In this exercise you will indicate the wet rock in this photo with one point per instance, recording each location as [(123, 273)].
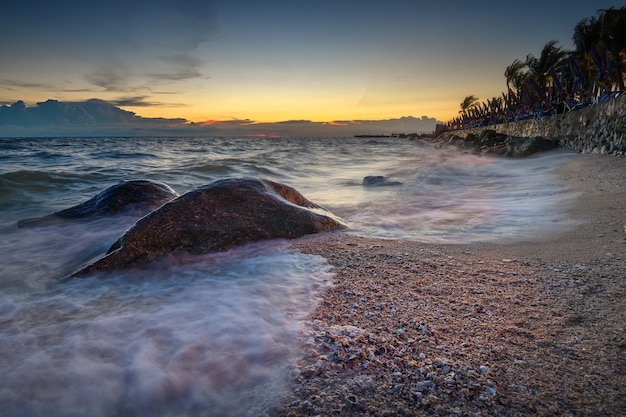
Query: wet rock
[(490, 138), (378, 181), (137, 197), (217, 217), (487, 142), (519, 147)]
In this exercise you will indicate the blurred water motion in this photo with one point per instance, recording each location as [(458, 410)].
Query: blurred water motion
[(214, 335)]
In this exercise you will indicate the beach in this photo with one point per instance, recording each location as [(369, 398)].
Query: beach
[(529, 327), (479, 285)]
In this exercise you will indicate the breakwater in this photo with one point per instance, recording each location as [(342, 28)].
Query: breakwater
[(600, 128)]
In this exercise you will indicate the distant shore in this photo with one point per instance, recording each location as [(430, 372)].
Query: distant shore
[(534, 327)]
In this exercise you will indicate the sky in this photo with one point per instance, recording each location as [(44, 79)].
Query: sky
[(224, 64)]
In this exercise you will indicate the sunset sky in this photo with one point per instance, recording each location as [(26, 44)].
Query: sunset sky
[(273, 61)]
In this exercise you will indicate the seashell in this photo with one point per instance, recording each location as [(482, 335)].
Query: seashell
[(352, 399)]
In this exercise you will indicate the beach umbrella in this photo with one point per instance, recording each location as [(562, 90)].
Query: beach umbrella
[(600, 60), (556, 80), (580, 80), (540, 91)]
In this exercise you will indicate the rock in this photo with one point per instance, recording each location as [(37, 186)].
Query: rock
[(490, 138), (137, 197), (519, 147), (378, 181), (470, 138), (488, 142), (217, 217)]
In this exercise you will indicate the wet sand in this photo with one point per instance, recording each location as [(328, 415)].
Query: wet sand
[(535, 327)]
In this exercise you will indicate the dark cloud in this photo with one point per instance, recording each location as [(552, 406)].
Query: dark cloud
[(10, 84), (140, 101), (109, 78), (179, 67), (137, 101)]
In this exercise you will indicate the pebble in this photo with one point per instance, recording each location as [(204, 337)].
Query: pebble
[(294, 373), (414, 357)]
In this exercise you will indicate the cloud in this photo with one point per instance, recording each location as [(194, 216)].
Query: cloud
[(109, 78), (225, 123), (294, 128), (141, 101), (179, 67), (91, 117), (98, 118), (11, 84)]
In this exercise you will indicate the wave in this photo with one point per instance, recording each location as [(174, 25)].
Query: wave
[(327, 171), (210, 332)]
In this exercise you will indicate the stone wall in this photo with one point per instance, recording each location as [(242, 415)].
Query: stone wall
[(595, 129)]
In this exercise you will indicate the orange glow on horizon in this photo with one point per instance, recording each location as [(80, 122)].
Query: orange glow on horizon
[(341, 118)]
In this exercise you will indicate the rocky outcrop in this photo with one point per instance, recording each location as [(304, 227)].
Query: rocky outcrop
[(217, 217), (491, 142), (378, 181), (138, 197), (600, 128), (519, 147)]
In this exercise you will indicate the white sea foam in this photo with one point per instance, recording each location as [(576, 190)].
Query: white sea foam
[(464, 198), (206, 335)]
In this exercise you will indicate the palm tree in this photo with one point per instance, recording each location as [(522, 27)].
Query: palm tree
[(515, 75), (586, 33), (468, 102), (613, 35), (551, 56), (494, 104), (608, 31)]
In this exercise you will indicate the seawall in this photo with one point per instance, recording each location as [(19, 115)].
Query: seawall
[(600, 128)]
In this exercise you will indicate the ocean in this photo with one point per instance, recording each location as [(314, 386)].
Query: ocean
[(215, 334)]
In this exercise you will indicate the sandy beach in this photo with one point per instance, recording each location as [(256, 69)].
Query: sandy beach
[(532, 327)]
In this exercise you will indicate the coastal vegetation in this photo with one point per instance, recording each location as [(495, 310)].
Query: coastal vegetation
[(558, 80)]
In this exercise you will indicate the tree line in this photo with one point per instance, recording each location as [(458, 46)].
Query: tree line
[(558, 80)]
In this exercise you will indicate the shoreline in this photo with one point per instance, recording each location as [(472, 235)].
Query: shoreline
[(534, 327)]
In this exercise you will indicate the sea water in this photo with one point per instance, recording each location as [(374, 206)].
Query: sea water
[(215, 334)]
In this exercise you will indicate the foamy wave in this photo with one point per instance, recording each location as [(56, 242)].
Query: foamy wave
[(213, 337)]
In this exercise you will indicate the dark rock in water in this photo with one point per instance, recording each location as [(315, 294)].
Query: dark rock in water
[(519, 147), (217, 217), (137, 197), (378, 181)]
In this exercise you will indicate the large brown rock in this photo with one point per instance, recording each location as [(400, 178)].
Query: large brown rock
[(217, 217), (137, 198)]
